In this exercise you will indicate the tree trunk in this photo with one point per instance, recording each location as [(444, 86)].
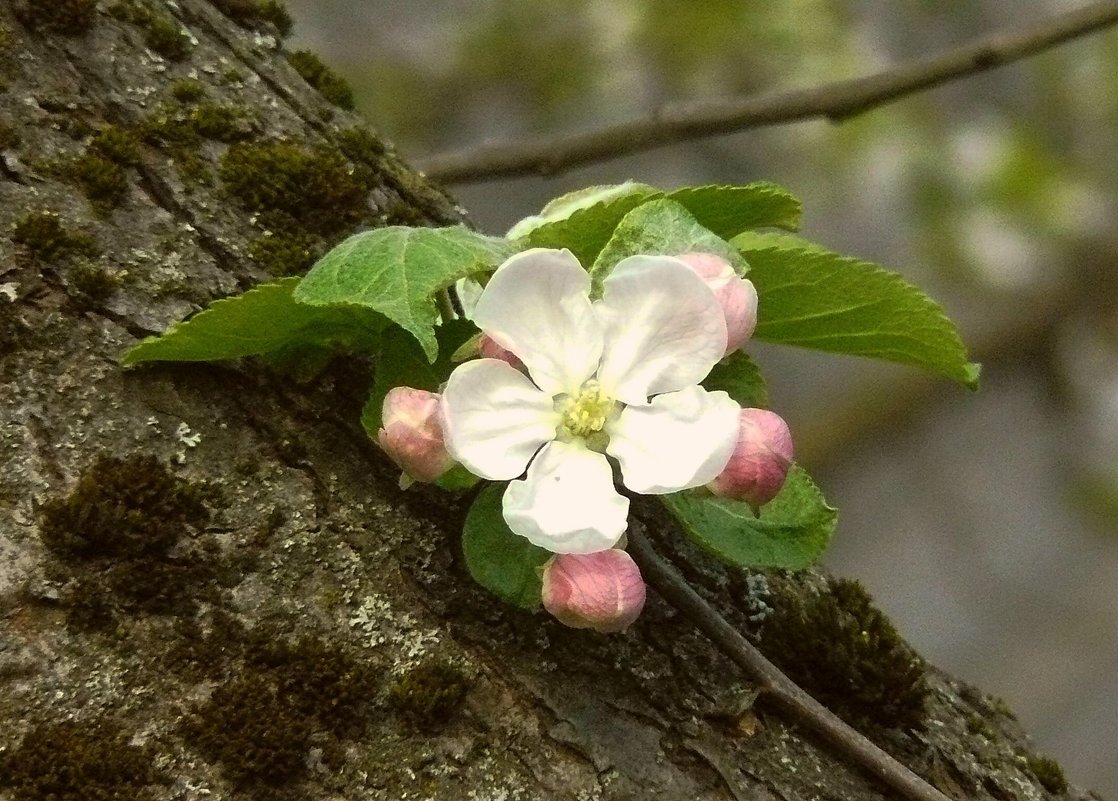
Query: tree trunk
[(210, 584)]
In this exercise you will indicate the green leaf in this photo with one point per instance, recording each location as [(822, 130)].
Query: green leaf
[(504, 563), (659, 227), (728, 210), (766, 240), (264, 320), (817, 299), (397, 271), (792, 532), (400, 362), (740, 377), (585, 224)]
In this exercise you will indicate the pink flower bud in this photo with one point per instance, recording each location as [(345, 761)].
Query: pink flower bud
[(760, 462), (737, 295), (411, 435), (601, 591), (489, 349)]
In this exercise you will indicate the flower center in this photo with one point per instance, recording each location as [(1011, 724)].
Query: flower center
[(583, 416)]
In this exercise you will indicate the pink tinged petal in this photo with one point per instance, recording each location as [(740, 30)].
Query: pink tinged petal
[(489, 349), (736, 295), (761, 459), (680, 440), (664, 329), (537, 305), (411, 434), (601, 591), (567, 503), (494, 418)]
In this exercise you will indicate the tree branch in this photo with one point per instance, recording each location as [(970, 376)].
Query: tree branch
[(835, 101), (779, 689)]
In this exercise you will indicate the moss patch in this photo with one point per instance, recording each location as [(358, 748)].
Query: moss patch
[(286, 697), (104, 182), (302, 196), (161, 33), (1048, 772), (120, 530), (9, 137), (840, 648), (329, 84), (79, 761), (254, 13), (41, 232), (430, 694), (68, 17), (188, 90), (117, 145), (91, 284)]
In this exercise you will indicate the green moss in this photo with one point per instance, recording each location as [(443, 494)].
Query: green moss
[(840, 648), (117, 145), (1048, 772), (285, 252), (258, 725), (91, 284), (188, 90), (79, 761), (430, 694), (121, 508), (9, 137), (41, 232), (68, 17), (224, 123), (315, 187), (104, 182), (167, 39), (187, 127), (329, 84), (252, 13), (361, 146), (118, 529)]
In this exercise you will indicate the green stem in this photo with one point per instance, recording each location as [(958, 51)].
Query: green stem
[(446, 308)]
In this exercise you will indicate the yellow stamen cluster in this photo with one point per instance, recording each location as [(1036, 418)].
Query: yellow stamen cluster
[(585, 415)]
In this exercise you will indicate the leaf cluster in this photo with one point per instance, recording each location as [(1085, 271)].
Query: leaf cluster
[(374, 294)]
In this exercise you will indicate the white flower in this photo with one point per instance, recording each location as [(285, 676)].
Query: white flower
[(618, 377)]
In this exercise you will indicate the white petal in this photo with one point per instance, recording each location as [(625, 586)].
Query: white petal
[(664, 328), (537, 304), (494, 418), (567, 503), (682, 439)]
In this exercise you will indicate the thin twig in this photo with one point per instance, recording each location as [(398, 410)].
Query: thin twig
[(779, 689), (835, 101)]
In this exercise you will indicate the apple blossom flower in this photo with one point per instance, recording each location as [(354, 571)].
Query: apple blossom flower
[(411, 435), (601, 591), (617, 376), (736, 295), (760, 462), (489, 349)]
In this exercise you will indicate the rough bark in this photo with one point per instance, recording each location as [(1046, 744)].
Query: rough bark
[(295, 626)]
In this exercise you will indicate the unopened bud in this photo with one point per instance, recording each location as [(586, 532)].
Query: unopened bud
[(411, 435), (489, 349), (736, 295), (761, 459), (601, 591)]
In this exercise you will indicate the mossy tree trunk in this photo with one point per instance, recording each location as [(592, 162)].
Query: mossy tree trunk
[(210, 584)]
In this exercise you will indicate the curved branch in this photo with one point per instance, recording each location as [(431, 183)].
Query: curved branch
[(835, 101), (781, 690)]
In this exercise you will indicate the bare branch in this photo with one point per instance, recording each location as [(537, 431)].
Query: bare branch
[(835, 101), (780, 690)]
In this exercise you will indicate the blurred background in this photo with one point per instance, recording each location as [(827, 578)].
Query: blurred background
[(985, 524)]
